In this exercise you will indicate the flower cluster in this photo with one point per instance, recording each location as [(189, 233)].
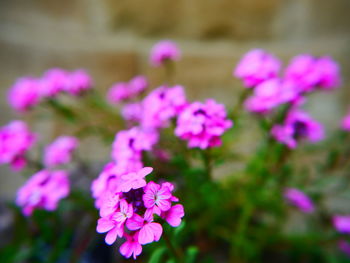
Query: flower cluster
[(299, 200), (297, 125), (129, 211), (124, 91), (202, 124), (342, 223), (43, 190), (15, 140), (163, 52), (28, 91), (59, 152)]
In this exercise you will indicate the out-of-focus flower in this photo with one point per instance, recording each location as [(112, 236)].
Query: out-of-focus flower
[(132, 112), (43, 191), (119, 92), (310, 72), (271, 94), (164, 51), (202, 124), (297, 125), (15, 141), (299, 200), (53, 82), (78, 82), (344, 246), (161, 105), (60, 151), (342, 224), (257, 66), (24, 94), (345, 125), (127, 211), (138, 84)]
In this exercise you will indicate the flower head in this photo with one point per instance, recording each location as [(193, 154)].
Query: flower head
[(342, 223), (132, 112), (164, 51), (15, 141), (24, 94), (43, 191), (60, 151), (345, 124), (202, 124), (299, 199), (53, 82), (344, 246), (298, 125), (257, 66), (78, 82)]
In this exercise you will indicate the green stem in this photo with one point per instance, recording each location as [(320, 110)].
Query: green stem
[(208, 163), (177, 252)]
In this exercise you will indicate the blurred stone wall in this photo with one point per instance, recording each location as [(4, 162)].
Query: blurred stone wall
[(111, 39)]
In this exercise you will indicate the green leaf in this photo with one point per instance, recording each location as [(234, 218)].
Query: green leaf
[(191, 254), (157, 255)]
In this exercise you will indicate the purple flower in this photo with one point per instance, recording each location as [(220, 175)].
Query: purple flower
[(344, 247), (161, 105), (53, 82), (132, 112), (119, 92), (164, 51), (271, 94), (43, 191), (138, 84), (127, 209), (60, 151), (257, 66), (78, 81), (24, 94), (202, 124), (299, 199), (345, 124), (15, 141), (297, 125), (342, 224), (309, 72)]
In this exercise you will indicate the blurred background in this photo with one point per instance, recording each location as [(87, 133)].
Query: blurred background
[(111, 40)]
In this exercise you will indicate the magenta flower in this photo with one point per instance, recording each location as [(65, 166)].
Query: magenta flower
[(119, 92), (132, 112), (271, 94), (163, 52), (157, 197), (131, 246), (24, 94), (60, 151), (202, 124), (138, 84), (174, 215), (161, 105), (78, 82), (43, 191), (298, 125), (345, 124), (342, 224), (257, 66), (127, 209), (310, 72), (15, 141), (53, 82), (149, 231), (299, 199)]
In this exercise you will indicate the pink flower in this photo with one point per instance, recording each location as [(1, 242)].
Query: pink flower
[(24, 94), (344, 247), (271, 94), (53, 82), (342, 224), (131, 246), (174, 215), (157, 197), (119, 92), (60, 151), (309, 72), (133, 180), (202, 124), (15, 141), (298, 125), (299, 199), (161, 105), (164, 51), (78, 81), (345, 125), (138, 84), (257, 66), (149, 231), (43, 190), (132, 112)]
